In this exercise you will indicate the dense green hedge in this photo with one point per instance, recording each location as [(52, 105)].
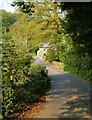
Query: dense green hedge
[(23, 82), (78, 64), (52, 55)]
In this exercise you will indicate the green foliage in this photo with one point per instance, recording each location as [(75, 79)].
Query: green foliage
[(52, 55), (24, 7), (62, 56), (78, 64), (54, 38), (1, 116), (22, 83), (39, 79), (7, 19), (34, 50), (78, 24), (36, 29)]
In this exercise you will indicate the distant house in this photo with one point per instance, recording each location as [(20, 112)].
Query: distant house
[(42, 52)]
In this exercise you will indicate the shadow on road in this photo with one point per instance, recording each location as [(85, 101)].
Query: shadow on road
[(72, 94)]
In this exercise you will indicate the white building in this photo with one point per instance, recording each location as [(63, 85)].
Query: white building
[(42, 52)]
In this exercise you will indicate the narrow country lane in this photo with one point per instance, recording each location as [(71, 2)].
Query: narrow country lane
[(68, 97)]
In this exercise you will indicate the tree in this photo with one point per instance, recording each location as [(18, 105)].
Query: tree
[(8, 18), (40, 26), (79, 24), (24, 6)]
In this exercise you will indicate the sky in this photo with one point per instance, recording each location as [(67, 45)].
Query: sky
[(6, 5)]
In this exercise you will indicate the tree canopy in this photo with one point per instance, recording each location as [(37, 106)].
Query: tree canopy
[(40, 26), (78, 25), (8, 18)]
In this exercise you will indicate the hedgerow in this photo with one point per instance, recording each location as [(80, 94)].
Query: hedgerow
[(78, 64), (22, 82)]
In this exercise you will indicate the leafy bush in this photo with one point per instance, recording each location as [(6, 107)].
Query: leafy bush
[(78, 64), (22, 83), (34, 50), (52, 55)]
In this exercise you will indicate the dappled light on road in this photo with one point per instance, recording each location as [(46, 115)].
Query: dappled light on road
[(68, 97)]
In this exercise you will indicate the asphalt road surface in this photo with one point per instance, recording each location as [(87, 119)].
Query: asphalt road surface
[(68, 97)]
